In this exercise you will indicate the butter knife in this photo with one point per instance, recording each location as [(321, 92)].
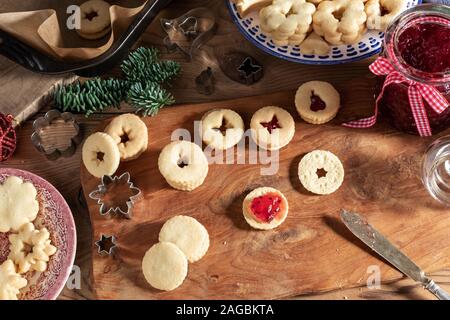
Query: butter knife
[(378, 243)]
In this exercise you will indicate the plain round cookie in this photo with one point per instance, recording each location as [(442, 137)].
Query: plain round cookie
[(272, 127), (308, 172), (187, 234), (130, 134), (249, 217), (100, 155), (183, 164), (214, 120), (326, 92), (165, 266), (95, 19)]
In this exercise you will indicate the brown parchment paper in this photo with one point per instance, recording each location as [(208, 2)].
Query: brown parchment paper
[(45, 28)]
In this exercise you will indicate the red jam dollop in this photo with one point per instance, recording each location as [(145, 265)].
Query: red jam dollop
[(317, 103), (266, 207), (271, 125), (426, 47)]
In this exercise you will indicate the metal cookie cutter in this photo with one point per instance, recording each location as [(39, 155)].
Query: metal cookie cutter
[(250, 71), (116, 195), (106, 245), (56, 134), (241, 67), (190, 31)]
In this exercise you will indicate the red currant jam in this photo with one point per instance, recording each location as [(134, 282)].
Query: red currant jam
[(425, 48), (267, 207), (271, 125), (317, 103)]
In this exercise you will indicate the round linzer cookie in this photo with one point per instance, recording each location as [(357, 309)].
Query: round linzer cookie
[(222, 128), (265, 208), (95, 19), (101, 155), (321, 172), (130, 134), (183, 164), (187, 234), (317, 102), (165, 266), (272, 127)]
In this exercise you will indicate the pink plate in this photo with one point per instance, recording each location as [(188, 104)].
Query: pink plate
[(55, 215)]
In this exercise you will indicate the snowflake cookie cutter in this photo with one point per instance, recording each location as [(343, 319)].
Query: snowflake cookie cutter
[(106, 245), (113, 199), (190, 31), (56, 134)]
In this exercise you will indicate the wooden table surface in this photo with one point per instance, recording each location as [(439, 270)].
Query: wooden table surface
[(279, 75)]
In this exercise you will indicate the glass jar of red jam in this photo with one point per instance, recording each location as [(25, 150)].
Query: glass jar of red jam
[(419, 49)]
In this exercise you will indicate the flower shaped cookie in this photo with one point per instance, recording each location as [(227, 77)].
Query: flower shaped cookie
[(10, 281), (340, 21), (31, 249), (18, 204), (380, 13), (288, 21)]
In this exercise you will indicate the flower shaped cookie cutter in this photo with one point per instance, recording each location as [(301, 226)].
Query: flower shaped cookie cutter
[(189, 31), (116, 195), (56, 134)]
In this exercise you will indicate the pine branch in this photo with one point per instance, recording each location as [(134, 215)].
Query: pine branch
[(91, 96), (149, 98), (142, 65)]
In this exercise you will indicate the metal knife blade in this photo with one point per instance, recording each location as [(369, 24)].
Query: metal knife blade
[(378, 243)]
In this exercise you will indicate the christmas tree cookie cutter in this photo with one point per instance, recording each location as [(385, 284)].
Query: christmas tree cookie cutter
[(190, 31), (116, 195), (56, 134), (106, 245)]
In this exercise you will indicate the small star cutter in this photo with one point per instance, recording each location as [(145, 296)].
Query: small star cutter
[(106, 244), (104, 189)]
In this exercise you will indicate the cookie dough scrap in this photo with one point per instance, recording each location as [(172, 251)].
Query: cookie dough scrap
[(95, 19), (31, 249), (18, 204), (101, 155), (10, 281), (222, 129), (321, 172), (187, 234), (265, 208), (317, 102), (183, 164), (272, 127), (165, 266), (130, 134)]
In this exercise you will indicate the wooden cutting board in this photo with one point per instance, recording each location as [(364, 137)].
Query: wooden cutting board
[(312, 251)]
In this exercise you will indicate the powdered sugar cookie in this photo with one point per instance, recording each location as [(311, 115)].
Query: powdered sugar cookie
[(340, 21), (95, 19), (222, 128), (380, 13), (18, 204), (187, 234), (183, 164), (317, 102), (100, 155), (10, 281), (165, 266), (272, 127), (130, 134), (315, 45), (31, 249), (265, 208), (321, 172)]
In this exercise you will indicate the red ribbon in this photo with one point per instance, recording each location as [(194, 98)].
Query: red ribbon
[(417, 92)]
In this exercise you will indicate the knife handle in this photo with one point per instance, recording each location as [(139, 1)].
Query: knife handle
[(440, 293)]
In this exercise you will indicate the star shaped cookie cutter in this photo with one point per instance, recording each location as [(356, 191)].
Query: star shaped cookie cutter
[(190, 31), (106, 244), (116, 195)]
